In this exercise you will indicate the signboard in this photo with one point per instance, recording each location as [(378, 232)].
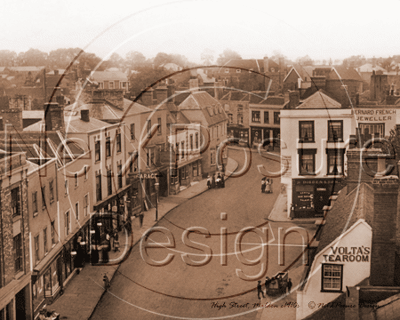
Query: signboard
[(375, 115)]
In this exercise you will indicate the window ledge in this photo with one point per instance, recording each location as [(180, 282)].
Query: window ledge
[(335, 291), (19, 275), (301, 141), (334, 175), (334, 141)]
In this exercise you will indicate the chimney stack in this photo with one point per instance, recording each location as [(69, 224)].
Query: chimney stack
[(171, 93), (147, 97), (162, 94), (194, 84), (266, 64), (294, 99), (54, 116), (384, 231), (85, 115)]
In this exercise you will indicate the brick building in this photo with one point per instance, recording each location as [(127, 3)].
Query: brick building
[(15, 276)]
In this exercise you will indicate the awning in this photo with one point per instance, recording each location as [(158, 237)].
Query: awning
[(39, 269), (101, 204)]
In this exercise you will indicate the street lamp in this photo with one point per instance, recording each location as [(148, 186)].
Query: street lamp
[(156, 185)]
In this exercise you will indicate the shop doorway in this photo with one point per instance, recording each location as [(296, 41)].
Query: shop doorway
[(20, 307)]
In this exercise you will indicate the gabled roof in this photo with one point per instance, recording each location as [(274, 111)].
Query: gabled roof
[(100, 76), (347, 210), (346, 73), (303, 72), (200, 106), (319, 100), (368, 67), (25, 69)]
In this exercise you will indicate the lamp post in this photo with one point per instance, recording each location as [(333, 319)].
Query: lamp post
[(156, 185)]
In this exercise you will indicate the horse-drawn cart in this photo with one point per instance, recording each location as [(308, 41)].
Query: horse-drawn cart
[(278, 284)]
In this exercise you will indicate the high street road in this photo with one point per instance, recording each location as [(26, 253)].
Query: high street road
[(211, 279)]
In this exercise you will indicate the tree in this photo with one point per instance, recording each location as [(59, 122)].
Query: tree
[(207, 57), (115, 61), (32, 57), (160, 59), (7, 58), (227, 55), (135, 60), (146, 77), (62, 58)]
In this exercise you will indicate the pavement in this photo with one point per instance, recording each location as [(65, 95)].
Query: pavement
[(85, 289)]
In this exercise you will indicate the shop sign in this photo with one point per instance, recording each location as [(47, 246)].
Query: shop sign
[(348, 254), (148, 176), (378, 115)]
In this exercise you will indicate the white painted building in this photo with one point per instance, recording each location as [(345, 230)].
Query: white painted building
[(314, 139)]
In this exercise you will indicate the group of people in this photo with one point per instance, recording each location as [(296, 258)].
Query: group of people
[(268, 280), (216, 181), (266, 185)]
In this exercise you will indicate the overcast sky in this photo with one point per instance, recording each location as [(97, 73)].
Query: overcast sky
[(322, 29)]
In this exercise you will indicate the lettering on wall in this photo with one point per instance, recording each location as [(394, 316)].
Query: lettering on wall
[(375, 114), (348, 254)]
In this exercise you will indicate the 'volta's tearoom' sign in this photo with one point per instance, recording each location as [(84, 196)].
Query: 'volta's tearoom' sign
[(348, 254)]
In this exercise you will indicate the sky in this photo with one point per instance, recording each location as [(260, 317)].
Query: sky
[(321, 29)]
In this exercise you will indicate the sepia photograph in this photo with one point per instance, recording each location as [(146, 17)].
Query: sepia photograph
[(199, 160)]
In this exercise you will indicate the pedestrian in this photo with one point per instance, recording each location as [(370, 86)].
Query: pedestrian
[(208, 181), (289, 285), (141, 217), (128, 226), (267, 282), (218, 181), (213, 181), (112, 240), (106, 282), (271, 181), (116, 241), (260, 290), (263, 182), (104, 252), (223, 181)]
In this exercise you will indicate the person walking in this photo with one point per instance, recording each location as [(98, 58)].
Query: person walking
[(208, 181), (141, 217), (260, 290), (263, 183), (289, 285), (213, 181), (267, 282), (223, 181), (218, 181)]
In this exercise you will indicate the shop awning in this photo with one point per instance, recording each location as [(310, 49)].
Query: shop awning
[(51, 256), (109, 199)]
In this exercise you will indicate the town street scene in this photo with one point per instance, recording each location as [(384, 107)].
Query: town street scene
[(199, 160)]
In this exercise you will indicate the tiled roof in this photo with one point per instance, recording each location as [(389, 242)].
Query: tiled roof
[(276, 101), (100, 76), (347, 210), (319, 100), (201, 102), (347, 73), (368, 67)]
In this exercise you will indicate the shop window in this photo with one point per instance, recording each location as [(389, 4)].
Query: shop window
[(118, 141), (332, 277), (46, 250), (255, 116), (47, 283), (53, 234), (132, 131), (109, 182), (335, 130), (159, 126), (307, 161), (195, 166), (174, 176), (36, 240), (98, 186), (335, 161), (15, 202), (17, 246), (97, 151), (277, 120), (108, 147), (51, 190), (306, 131), (266, 117), (374, 129), (34, 202)]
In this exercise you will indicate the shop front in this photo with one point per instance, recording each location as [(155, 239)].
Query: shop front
[(239, 133), (256, 136), (311, 195), (52, 273)]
